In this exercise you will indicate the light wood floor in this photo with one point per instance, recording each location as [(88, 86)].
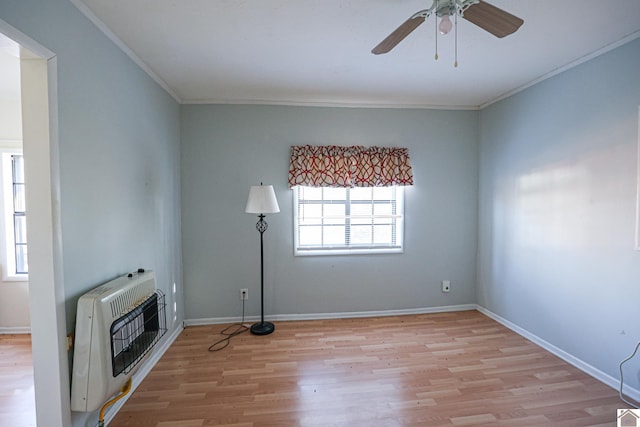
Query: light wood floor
[(422, 370), (17, 401)]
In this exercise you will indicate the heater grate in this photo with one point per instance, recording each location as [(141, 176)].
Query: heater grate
[(135, 333)]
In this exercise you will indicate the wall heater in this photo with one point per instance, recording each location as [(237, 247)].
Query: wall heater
[(117, 324)]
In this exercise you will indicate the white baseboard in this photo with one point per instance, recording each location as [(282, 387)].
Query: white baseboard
[(144, 370), (221, 320), (378, 313), (5, 330), (324, 316), (567, 357)]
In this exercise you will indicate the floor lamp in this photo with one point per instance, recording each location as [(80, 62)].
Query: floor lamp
[(262, 200)]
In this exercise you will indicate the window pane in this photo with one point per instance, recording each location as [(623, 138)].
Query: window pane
[(361, 193), (310, 193), (383, 221), (383, 193), (334, 193), (361, 214), (382, 234), (361, 209), (334, 235), (18, 168), (18, 198), (310, 236), (382, 209), (310, 213), (22, 266), (334, 214), (20, 225), (361, 235)]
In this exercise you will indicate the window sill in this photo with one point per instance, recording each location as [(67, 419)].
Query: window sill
[(342, 252), (16, 278)]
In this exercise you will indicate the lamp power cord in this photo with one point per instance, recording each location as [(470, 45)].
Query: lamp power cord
[(633, 405), (229, 332)]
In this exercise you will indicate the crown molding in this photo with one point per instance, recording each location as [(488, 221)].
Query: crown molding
[(327, 103), (627, 39), (84, 9)]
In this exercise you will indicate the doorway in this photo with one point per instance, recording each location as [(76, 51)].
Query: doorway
[(46, 294), (14, 293), (17, 402)]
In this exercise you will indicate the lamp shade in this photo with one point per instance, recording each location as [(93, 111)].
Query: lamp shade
[(262, 200)]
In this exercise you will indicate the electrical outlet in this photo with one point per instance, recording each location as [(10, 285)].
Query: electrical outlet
[(446, 286), (244, 294)]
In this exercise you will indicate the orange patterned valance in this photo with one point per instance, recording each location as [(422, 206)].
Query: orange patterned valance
[(355, 166)]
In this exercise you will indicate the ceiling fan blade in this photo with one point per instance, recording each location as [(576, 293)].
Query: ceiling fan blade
[(492, 19), (398, 35)]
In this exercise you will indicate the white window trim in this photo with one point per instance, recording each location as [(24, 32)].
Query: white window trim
[(345, 251), (7, 240)]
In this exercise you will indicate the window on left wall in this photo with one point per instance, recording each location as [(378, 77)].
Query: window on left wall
[(15, 263)]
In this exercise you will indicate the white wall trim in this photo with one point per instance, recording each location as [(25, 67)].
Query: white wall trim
[(142, 373), (325, 316), (46, 285), (637, 246), (10, 330), (25, 41), (567, 357), (329, 103), (221, 320), (564, 68)]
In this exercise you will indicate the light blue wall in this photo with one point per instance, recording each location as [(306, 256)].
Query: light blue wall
[(119, 139), (119, 156), (558, 172), (557, 168), (225, 149)]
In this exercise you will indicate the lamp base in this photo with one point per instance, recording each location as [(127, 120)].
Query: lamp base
[(262, 328)]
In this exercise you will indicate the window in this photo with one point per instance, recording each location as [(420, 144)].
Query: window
[(16, 265), (348, 199), (330, 220)]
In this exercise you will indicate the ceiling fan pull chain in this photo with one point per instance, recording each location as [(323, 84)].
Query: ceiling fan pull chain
[(455, 64), (435, 20), (484, 15)]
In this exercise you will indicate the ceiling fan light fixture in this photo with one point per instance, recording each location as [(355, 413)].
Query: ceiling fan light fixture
[(478, 12), (445, 24)]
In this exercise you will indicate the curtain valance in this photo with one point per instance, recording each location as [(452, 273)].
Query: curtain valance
[(355, 166)]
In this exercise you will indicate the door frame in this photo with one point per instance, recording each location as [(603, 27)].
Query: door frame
[(42, 175)]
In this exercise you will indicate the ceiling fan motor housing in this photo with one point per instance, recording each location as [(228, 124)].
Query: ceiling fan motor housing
[(484, 15), (451, 7)]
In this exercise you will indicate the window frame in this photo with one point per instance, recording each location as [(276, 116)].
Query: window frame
[(398, 219), (7, 230)]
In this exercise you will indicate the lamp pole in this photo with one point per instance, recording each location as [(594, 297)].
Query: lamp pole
[(262, 328)]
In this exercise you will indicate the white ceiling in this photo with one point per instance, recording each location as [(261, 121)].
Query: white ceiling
[(313, 52)]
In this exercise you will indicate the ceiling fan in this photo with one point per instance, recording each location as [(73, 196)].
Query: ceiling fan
[(486, 16)]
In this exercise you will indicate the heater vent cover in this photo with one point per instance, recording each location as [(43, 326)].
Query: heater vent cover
[(117, 325)]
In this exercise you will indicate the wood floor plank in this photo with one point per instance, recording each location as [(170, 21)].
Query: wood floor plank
[(17, 399), (444, 369)]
